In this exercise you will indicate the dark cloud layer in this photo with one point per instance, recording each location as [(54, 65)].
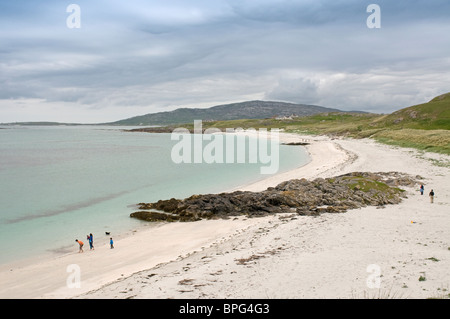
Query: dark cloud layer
[(137, 57)]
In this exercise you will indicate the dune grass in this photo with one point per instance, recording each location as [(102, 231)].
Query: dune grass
[(355, 125), (437, 141), (425, 126)]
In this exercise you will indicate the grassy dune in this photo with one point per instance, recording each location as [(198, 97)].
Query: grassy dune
[(429, 140), (434, 115), (424, 126)]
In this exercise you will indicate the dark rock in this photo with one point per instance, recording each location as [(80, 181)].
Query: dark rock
[(154, 216), (310, 198)]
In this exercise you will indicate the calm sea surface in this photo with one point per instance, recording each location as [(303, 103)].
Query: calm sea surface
[(62, 183)]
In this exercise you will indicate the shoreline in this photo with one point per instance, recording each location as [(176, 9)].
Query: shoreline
[(329, 256), (106, 271), (319, 150), (20, 270), (44, 252)]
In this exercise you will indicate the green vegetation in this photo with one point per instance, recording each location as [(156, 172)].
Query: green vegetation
[(434, 115), (365, 185), (428, 140), (424, 126)]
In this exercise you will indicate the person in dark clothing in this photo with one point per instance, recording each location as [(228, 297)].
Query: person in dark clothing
[(431, 196)]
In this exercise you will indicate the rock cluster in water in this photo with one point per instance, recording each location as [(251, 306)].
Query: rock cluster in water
[(330, 195)]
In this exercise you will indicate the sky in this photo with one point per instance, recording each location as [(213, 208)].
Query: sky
[(119, 59)]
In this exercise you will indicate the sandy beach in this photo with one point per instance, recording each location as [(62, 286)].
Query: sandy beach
[(399, 251)]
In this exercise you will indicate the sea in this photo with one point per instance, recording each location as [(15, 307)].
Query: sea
[(61, 183)]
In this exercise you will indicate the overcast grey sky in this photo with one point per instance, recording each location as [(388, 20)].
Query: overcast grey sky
[(136, 57)]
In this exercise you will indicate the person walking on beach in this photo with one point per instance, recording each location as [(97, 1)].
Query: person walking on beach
[(421, 189), (90, 238), (431, 196), (81, 245), (111, 243)]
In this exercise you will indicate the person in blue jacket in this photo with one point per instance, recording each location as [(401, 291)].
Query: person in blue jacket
[(90, 238)]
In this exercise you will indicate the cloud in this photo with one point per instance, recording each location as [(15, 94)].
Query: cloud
[(297, 89), (147, 56), (377, 91)]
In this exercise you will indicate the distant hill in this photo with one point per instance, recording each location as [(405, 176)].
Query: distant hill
[(234, 111), (424, 126)]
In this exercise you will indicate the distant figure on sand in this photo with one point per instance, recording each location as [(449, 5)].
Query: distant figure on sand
[(431, 196), (111, 243), (81, 245), (90, 238), (421, 189)]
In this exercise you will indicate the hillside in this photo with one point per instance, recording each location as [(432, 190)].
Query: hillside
[(425, 126), (428, 116), (433, 115), (243, 110)]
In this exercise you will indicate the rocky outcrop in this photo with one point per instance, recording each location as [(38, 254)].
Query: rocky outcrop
[(331, 195)]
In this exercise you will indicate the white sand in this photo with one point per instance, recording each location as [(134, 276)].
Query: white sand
[(286, 256)]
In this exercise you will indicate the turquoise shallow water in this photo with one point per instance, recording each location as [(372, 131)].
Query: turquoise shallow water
[(61, 183)]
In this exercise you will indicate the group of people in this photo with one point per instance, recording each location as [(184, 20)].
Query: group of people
[(90, 239), (431, 194)]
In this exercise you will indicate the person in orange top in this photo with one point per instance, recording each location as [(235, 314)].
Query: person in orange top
[(81, 245)]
